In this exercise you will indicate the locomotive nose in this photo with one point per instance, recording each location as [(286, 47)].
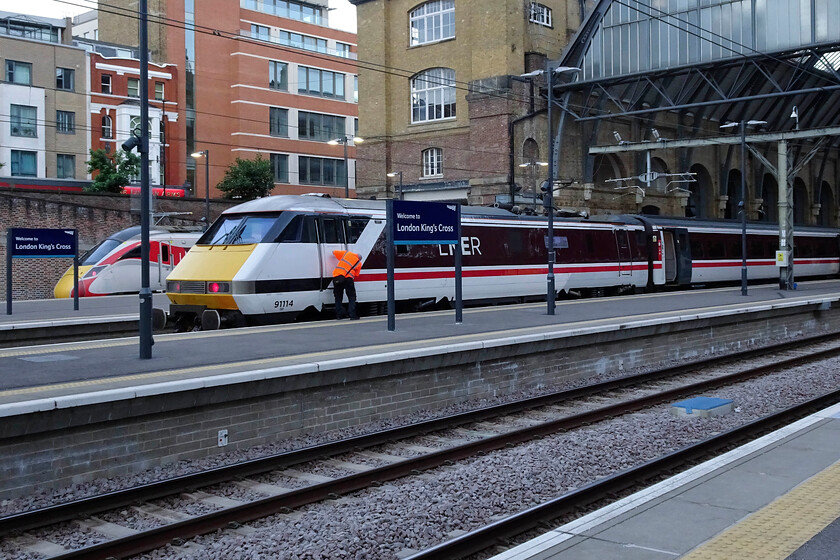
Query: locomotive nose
[(64, 286)]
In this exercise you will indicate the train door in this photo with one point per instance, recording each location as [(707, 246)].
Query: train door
[(164, 263), (677, 256), (670, 256), (330, 238), (625, 254)]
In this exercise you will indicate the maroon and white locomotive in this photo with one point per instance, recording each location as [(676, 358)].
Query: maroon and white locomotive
[(271, 259)]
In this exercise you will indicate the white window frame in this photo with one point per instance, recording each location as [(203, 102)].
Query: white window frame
[(432, 22), (540, 14), (65, 79), (16, 156), (65, 122), (61, 170), (105, 83), (433, 95), (107, 129), (136, 82), (432, 162), (23, 121)]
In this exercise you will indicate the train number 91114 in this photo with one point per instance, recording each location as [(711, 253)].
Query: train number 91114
[(284, 304)]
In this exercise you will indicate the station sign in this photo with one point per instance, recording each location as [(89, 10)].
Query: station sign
[(425, 223), (42, 243)]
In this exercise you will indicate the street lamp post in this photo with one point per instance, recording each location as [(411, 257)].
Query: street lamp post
[(344, 140), (533, 166), (551, 68), (206, 155), (743, 205), (394, 174)]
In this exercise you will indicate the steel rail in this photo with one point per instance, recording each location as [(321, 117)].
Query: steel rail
[(234, 516), (50, 515), (541, 515)]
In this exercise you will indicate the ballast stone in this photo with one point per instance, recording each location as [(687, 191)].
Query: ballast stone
[(702, 407)]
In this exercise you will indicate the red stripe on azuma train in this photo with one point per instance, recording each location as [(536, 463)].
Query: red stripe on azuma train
[(438, 274)]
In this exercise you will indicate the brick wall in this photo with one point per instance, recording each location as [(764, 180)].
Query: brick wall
[(65, 446), (95, 216)]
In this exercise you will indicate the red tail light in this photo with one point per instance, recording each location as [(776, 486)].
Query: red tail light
[(213, 287)]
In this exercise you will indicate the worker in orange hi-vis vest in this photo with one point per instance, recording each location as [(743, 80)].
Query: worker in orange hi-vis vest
[(344, 274)]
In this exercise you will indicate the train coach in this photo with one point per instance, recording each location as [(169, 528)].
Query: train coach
[(113, 265), (271, 259)]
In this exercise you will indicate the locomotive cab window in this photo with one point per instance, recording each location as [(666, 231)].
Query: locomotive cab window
[(354, 228), (299, 229), (332, 230), (242, 230), (98, 252), (133, 254)]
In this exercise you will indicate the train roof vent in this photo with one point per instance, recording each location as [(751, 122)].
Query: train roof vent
[(320, 194)]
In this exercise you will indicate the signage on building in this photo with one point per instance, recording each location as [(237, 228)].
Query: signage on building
[(425, 223), (42, 243)]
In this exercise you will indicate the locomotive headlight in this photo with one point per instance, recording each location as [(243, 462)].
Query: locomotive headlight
[(93, 272), (218, 287), (173, 286)]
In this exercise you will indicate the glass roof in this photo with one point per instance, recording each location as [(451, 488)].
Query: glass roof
[(650, 35)]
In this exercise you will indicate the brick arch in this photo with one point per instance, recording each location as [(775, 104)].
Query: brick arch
[(770, 198), (607, 166), (700, 199), (827, 213), (801, 203), (733, 191), (530, 150)]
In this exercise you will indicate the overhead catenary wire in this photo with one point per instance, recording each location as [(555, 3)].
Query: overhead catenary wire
[(125, 12)]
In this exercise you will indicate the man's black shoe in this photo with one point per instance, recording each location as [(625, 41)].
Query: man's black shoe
[(354, 318)]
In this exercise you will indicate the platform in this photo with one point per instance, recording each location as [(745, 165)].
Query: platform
[(66, 369), (775, 498), (115, 413)]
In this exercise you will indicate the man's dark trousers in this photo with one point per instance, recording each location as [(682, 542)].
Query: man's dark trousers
[(339, 288)]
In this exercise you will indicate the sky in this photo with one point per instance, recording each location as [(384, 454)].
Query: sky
[(342, 17)]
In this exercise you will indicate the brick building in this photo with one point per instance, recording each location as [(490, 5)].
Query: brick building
[(115, 112), (259, 77), (443, 119)]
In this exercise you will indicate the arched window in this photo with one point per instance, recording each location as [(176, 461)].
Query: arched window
[(433, 95), (433, 162), (107, 127), (432, 21)]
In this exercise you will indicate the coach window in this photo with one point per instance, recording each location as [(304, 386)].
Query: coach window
[(333, 232), (697, 249), (354, 228), (755, 248), (164, 253), (733, 247)]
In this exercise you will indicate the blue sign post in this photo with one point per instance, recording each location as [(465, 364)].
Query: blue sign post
[(422, 223), (39, 243)]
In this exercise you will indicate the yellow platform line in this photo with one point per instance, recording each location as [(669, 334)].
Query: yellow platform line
[(780, 528)]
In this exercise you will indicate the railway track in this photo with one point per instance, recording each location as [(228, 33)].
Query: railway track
[(545, 417)]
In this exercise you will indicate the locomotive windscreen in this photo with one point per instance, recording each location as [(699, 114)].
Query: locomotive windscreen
[(98, 251), (244, 229)]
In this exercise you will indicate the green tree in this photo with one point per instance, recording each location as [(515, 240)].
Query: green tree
[(113, 171), (247, 179)]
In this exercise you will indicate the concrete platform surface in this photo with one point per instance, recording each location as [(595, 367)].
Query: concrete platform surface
[(772, 499), (66, 369)]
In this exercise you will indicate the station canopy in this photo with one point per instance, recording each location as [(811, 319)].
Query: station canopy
[(719, 60)]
